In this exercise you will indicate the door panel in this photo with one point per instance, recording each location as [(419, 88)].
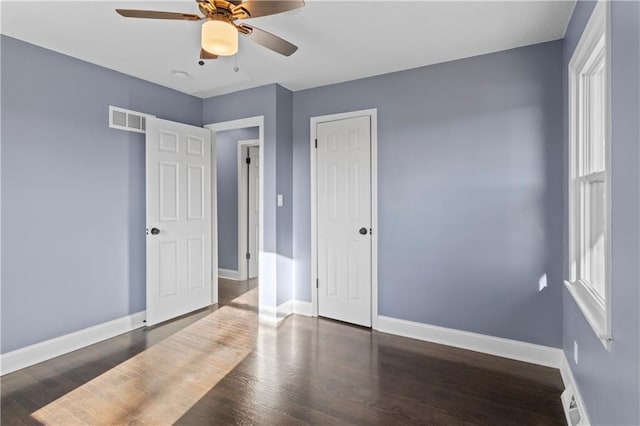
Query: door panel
[(168, 259), (168, 191), (195, 262), (178, 170), (343, 208), (195, 183)]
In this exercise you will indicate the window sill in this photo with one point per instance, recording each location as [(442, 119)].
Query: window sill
[(592, 310)]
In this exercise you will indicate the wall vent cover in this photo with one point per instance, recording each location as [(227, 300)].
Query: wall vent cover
[(124, 119), (572, 409)]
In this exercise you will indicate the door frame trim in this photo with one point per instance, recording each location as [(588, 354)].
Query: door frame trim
[(243, 231), (257, 121), (373, 114)]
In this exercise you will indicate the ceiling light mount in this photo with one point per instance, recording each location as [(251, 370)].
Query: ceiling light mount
[(180, 74)]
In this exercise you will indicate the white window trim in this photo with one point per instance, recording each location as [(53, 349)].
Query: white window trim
[(596, 311)]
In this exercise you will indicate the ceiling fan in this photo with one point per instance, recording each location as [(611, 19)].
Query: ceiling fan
[(220, 30)]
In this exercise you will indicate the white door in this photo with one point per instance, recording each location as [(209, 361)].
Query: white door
[(254, 210), (344, 220), (178, 161)]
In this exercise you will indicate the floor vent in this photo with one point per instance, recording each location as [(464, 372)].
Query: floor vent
[(572, 410), (124, 119)]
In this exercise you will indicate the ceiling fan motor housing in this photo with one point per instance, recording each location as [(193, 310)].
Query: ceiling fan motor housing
[(223, 10)]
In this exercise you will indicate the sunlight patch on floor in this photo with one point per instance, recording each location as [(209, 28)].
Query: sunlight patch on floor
[(160, 384)]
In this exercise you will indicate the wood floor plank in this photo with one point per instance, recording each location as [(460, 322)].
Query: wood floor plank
[(221, 366)]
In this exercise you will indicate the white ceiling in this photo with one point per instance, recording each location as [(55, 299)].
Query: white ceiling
[(338, 40)]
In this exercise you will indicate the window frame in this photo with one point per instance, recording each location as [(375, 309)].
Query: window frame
[(596, 310)]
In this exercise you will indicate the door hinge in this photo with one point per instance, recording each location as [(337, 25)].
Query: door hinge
[(317, 283), (248, 256), (248, 160), (316, 143)]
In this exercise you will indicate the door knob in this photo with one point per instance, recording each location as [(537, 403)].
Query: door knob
[(363, 231), (155, 231)]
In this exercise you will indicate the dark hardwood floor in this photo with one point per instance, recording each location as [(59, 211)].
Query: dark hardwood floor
[(220, 366)]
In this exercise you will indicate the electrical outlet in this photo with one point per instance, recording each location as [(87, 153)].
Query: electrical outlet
[(575, 352), (542, 282)]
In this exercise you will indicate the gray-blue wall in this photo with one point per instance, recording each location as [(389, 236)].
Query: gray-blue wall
[(227, 192), (610, 381), (73, 192), (470, 195), (284, 183)]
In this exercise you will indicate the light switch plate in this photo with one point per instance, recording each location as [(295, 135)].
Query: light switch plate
[(280, 200)]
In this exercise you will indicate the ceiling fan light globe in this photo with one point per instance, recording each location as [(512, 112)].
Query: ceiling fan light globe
[(219, 38)]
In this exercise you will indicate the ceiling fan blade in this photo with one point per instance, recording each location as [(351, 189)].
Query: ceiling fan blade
[(207, 55), (268, 40), (257, 8), (153, 14)]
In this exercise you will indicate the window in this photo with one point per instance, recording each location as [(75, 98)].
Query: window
[(589, 189)]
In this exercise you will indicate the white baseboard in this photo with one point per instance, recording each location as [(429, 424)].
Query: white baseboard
[(276, 315), (506, 348), (30, 355), (285, 309), (268, 313), (228, 274), (571, 390), (302, 308)]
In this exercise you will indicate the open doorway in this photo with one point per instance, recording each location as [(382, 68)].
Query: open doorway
[(237, 153)]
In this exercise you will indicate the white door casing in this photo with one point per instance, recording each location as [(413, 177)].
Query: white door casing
[(344, 219), (178, 193), (254, 210)]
